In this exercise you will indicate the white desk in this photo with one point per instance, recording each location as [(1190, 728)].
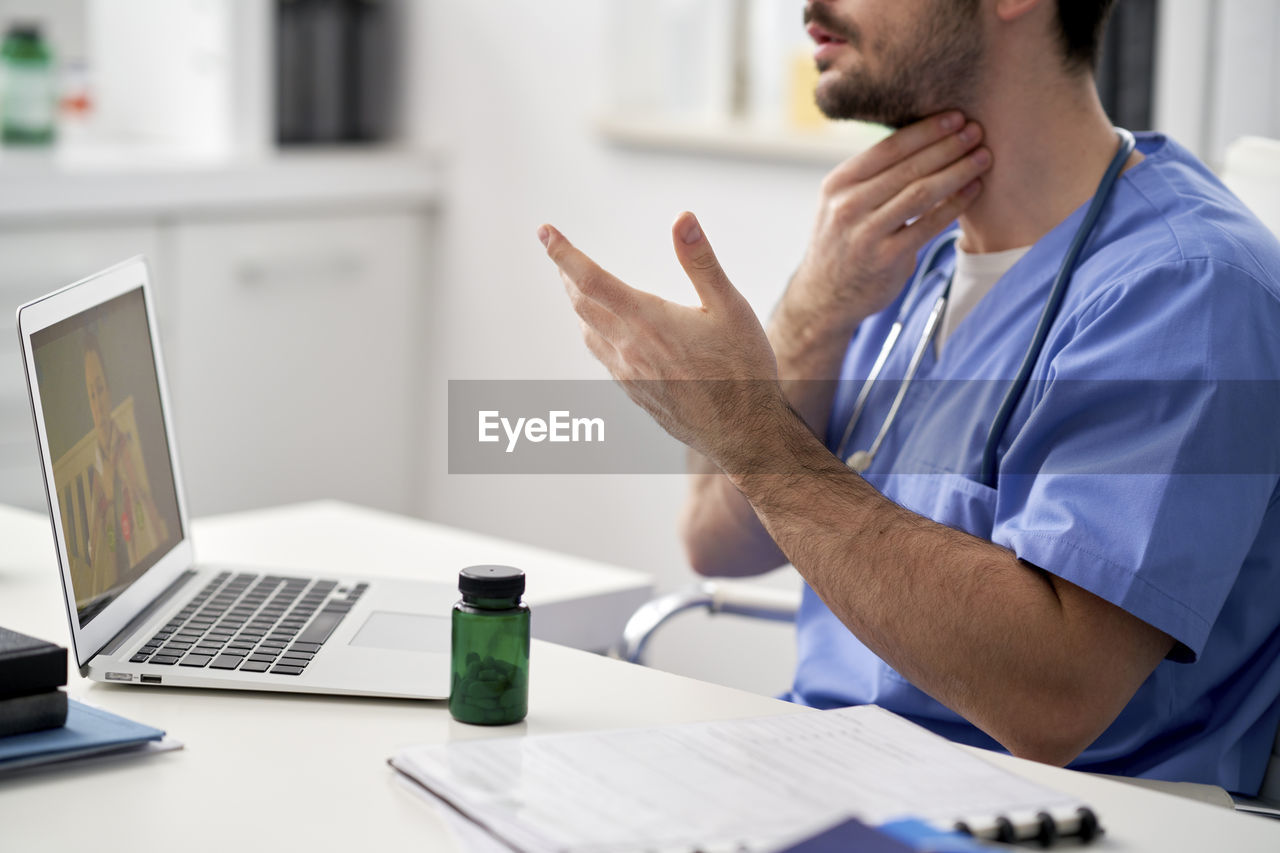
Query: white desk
[(264, 771)]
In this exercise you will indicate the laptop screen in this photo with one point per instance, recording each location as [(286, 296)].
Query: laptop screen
[(100, 404)]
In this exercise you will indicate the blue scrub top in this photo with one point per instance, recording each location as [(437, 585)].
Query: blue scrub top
[(1141, 464)]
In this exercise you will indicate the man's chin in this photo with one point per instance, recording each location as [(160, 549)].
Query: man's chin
[(838, 109), (840, 102), (832, 98)]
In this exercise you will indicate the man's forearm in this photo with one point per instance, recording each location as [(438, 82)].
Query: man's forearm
[(721, 533), (720, 529), (993, 638)]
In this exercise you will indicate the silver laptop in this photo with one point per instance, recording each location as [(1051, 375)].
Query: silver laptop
[(141, 610)]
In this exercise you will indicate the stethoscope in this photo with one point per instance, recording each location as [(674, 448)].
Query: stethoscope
[(860, 460)]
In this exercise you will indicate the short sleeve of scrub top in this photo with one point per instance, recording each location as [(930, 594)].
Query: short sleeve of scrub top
[(1145, 467)]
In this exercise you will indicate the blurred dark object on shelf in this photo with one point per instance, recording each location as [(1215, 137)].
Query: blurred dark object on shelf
[(1126, 72), (334, 71)]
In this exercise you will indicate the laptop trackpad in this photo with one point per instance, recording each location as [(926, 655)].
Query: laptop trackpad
[(411, 632)]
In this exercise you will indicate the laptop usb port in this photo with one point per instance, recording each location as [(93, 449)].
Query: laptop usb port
[(150, 679)]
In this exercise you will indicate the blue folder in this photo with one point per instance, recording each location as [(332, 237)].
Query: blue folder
[(901, 836), (89, 731)]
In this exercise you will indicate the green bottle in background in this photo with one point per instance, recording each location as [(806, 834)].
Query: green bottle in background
[(490, 647), (28, 93)]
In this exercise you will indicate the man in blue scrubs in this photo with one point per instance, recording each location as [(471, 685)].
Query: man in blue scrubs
[(1110, 600)]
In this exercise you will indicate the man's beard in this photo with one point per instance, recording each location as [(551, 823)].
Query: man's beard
[(934, 71)]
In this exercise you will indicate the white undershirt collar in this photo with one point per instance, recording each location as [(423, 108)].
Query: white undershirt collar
[(975, 275)]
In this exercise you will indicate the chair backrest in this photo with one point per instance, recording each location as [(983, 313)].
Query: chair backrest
[(1252, 171)]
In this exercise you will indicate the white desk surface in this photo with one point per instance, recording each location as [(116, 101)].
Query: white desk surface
[(279, 771)]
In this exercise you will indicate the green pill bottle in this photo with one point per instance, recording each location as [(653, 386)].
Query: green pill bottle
[(27, 94), (490, 669)]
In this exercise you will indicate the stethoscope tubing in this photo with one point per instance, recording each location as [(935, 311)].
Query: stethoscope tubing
[(891, 340), (1052, 305)]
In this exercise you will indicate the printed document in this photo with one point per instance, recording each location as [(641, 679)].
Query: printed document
[(738, 784)]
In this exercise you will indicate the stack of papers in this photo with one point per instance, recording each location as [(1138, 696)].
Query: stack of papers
[(744, 784)]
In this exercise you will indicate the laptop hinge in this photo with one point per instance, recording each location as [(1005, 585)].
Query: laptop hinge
[(134, 624)]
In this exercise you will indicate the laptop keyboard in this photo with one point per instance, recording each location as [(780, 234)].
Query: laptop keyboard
[(252, 623)]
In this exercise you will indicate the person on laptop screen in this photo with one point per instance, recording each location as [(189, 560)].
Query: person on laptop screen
[(101, 409), (124, 523)]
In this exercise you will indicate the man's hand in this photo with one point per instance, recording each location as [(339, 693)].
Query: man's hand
[(705, 373), (878, 210)]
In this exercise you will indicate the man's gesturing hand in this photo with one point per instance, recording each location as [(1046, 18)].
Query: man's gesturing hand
[(879, 209), (705, 373)]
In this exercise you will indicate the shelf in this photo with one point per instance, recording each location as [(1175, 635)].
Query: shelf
[(60, 184), (825, 146)]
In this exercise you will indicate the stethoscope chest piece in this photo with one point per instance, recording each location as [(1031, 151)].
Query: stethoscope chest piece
[(859, 461)]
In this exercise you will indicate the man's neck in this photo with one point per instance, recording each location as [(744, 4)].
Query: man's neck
[(1050, 150)]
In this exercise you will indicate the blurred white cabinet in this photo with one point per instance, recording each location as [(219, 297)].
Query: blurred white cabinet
[(35, 261), (291, 294), (293, 352)]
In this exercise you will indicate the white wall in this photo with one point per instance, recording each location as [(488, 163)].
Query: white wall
[(1217, 72), (509, 93)]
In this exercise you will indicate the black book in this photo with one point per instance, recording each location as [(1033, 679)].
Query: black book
[(29, 666), (34, 713)]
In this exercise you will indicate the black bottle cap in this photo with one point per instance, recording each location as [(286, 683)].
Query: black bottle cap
[(24, 31), (491, 582)]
